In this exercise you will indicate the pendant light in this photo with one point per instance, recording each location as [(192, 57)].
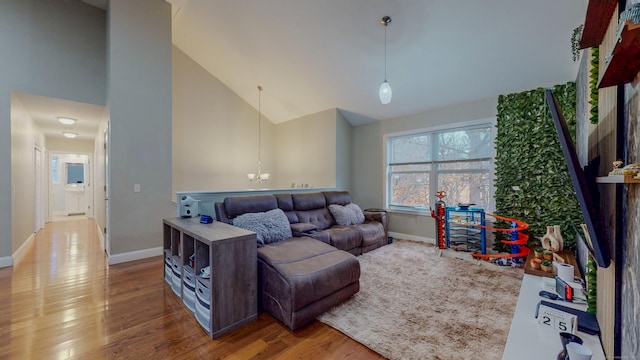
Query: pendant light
[(385, 89), (260, 177)]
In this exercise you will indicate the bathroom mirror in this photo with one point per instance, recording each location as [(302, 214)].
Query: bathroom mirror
[(75, 173)]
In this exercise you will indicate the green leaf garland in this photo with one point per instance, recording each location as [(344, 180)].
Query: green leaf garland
[(532, 180)]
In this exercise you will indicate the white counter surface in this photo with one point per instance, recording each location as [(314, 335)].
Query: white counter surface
[(527, 339)]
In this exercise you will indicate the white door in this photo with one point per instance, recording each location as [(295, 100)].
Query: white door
[(38, 221), (106, 190)]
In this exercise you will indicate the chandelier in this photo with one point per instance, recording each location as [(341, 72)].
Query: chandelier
[(260, 177)]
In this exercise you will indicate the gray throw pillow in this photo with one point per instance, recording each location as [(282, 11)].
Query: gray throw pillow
[(357, 214), (341, 214), (270, 226), (349, 214)]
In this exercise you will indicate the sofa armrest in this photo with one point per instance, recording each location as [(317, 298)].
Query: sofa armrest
[(302, 229), (379, 216)]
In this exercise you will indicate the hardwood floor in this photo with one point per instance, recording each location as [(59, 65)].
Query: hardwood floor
[(62, 301)]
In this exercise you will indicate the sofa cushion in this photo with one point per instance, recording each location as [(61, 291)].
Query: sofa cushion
[(270, 226), (239, 205), (294, 249), (285, 203), (343, 237), (319, 217), (308, 201), (337, 197), (308, 270), (372, 233)]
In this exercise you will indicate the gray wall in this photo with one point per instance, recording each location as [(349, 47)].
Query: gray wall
[(139, 102), (215, 132), (306, 151), (215, 139), (368, 165), (50, 48), (344, 155)]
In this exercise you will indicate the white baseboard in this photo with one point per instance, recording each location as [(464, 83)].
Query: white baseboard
[(6, 261), (412, 237), (60, 213), (135, 255), (18, 254)]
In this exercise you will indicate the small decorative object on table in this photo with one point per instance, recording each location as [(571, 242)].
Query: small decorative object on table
[(566, 338), (535, 263), (552, 240), (547, 255), (629, 170), (546, 266), (537, 252)]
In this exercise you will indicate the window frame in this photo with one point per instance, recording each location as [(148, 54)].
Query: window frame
[(433, 174)]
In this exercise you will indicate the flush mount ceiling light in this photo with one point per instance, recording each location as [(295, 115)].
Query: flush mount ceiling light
[(260, 177), (67, 121), (385, 89), (70, 135)]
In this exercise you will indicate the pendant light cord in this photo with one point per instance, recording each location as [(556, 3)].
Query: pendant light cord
[(259, 126), (385, 53)]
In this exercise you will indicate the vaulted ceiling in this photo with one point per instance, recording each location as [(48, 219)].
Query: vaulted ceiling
[(310, 55), (313, 55)]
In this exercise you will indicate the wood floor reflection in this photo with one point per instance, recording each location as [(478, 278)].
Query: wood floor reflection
[(62, 301)]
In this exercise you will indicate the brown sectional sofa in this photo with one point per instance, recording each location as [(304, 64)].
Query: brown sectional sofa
[(305, 275)]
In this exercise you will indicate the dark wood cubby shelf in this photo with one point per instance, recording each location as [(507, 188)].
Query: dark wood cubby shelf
[(625, 61), (599, 13)]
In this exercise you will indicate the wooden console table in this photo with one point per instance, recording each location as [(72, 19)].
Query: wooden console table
[(228, 298)]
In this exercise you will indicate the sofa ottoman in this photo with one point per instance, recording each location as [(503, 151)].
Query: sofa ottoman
[(300, 278)]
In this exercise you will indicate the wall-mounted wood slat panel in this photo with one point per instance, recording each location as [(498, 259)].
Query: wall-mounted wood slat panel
[(596, 22), (605, 140)]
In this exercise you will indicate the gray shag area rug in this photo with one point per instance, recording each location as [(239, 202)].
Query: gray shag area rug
[(413, 304)]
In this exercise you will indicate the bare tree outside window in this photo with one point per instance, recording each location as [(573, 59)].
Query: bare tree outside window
[(457, 161)]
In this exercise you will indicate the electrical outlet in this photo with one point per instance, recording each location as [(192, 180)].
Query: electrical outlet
[(136, 187)]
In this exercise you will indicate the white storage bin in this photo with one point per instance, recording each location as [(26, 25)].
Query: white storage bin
[(189, 277), (176, 282), (189, 288), (203, 313), (168, 274), (189, 297), (203, 303), (202, 291)]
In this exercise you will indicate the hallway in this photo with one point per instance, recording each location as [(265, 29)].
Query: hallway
[(62, 301)]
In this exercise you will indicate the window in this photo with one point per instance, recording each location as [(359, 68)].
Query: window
[(456, 160)]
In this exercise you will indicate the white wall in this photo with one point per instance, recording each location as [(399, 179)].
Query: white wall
[(139, 103), (69, 145), (99, 177), (25, 134), (368, 158), (50, 48)]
